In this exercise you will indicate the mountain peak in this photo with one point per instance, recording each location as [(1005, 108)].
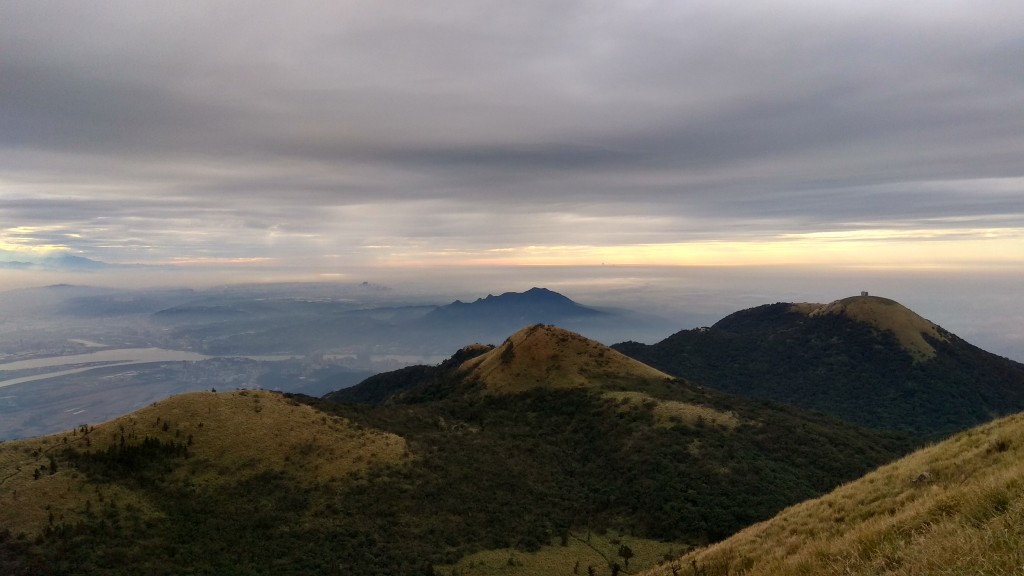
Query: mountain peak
[(229, 435), (534, 294), (496, 316), (547, 356), (911, 330), (866, 359)]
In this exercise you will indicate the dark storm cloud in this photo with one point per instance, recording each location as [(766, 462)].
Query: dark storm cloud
[(223, 127)]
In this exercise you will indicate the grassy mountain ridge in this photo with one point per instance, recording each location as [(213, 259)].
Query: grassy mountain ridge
[(416, 380), (218, 436), (438, 468), (538, 355), (911, 330), (956, 507), (549, 356), (868, 360)]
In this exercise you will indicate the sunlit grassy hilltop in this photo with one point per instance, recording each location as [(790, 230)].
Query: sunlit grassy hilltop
[(911, 330), (551, 357), (953, 508), (866, 359), (227, 437)]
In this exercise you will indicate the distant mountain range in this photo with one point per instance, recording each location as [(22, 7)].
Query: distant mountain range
[(491, 318), (229, 325), (538, 305), (866, 359), (62, 261), (15, 265)]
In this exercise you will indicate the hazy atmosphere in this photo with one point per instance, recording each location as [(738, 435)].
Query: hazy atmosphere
[(683, 157)]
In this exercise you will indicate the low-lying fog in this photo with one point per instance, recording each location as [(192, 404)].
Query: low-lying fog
[(985, 307)]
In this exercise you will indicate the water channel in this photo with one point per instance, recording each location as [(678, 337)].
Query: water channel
[(103, 358)]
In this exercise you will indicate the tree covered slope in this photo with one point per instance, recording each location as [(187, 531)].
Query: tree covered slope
[(953, 508), (865, 359)]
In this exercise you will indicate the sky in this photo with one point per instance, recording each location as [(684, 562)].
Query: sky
[(338, 139)]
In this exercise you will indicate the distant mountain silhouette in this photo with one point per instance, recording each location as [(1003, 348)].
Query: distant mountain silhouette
[(268, 325), (64, 262), (492, 318), (536, 305), (868, 360), (72, 262)]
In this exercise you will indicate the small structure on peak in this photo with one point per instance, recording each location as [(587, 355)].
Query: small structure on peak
[(885, 314), (863, 292)]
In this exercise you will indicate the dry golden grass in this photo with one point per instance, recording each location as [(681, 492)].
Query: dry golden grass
[(26, 503), (230, 436), (883, 314), (669, 412), (964, 516), (581, 552), (548, 356), (805, 308)]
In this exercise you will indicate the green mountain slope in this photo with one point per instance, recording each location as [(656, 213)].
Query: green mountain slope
[(953, 508), (443, 464), (203, 483), (618, 448), (867, 360)]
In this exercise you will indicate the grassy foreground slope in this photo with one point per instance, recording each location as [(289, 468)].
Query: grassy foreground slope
[(953, 508)]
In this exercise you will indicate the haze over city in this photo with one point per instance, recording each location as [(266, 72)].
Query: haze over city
[(684, 158)]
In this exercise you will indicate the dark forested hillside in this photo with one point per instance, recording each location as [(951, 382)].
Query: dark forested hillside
[(962, 516), (846, 366), (673, 462)]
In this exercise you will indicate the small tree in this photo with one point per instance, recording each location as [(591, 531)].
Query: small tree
[(626, 552)]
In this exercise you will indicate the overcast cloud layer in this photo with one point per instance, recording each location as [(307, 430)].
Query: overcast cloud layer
[(343, 134)]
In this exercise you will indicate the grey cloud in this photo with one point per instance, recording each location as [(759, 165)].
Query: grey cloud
[(694, 119)]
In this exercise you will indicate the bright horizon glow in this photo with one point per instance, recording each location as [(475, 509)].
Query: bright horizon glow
[(945, 249), (923, 248)]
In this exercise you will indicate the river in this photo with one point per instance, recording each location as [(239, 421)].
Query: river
[(103, 358)]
